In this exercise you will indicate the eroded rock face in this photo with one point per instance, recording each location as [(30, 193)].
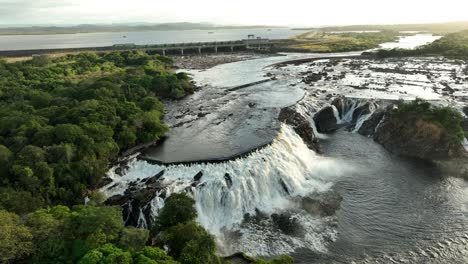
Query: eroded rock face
[(301, 126), (416, 138), (369, 126), (325, 120), (136, 197)]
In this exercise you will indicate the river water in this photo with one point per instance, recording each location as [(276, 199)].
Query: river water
[(82, 40), (393, 209)]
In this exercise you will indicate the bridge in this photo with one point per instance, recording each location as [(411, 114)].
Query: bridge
[(164, 49), (200, 47)]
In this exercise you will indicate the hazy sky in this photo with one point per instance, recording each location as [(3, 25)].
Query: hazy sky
[(271, 12)]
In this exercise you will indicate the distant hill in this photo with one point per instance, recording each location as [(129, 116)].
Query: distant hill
[(437, 28), (91, 28)]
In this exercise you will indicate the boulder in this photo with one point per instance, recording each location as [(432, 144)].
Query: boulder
[(325, 120), (286, 223), (368, 127), (343, 105), (323, 204), (228, 180), (414, 137), (360, 111), (301, 126), (198, 176)]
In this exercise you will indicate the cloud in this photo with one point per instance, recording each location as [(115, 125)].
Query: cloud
[(291, 12)]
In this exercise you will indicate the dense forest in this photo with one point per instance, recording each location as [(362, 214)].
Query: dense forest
[(451, 45), (63, 122)]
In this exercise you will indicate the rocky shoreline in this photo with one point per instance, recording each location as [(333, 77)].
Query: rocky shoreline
[(206, 61)]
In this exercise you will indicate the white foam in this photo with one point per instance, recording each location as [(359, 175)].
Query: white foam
[(258, 182)]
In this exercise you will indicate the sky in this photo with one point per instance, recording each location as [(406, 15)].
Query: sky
[(234, 12)]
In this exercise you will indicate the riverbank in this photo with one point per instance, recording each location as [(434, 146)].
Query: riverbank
[(206, 61)]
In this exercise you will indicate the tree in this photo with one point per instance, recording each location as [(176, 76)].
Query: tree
[(87, 220), (200, 251), (152, 255), (15, 238), (178, 208), (107, 254), (133, 239), (179, 236)]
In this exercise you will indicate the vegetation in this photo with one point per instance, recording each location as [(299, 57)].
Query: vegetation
[(64, 120), (435, 28), (446, 117), (86, 234), (451, 45), (321, 41), (96, 234)]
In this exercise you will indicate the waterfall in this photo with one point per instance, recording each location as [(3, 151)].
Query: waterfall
[(306, 109), (271, 180)]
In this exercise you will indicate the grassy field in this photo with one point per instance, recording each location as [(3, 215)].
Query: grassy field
[(320, 41)]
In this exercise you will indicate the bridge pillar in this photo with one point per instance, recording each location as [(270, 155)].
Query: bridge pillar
[(232, 48), (164, 52), (216, 49), (199, 50), (182, 51)]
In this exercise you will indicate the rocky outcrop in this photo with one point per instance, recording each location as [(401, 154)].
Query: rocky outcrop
[(325, 120), (342, 105), (301, 126), (414, 137), (136, 197), (369, 126), (286, 223), (360, 111)]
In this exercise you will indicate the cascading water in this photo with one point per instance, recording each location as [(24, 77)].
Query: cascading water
[(274, 179)]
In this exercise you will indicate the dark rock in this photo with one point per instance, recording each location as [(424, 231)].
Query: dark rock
[(301, 126), (256, 218), (122, 167), (154, 179), (228, 180), (360, 111), (325, 120), (116, 200), (201, 114), (286, 223), (104, 182), (198, 176), (324, 204), (368, 127), (284, 186), (414, 137), (465, 110)]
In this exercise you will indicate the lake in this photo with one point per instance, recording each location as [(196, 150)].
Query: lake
[(83, 40)]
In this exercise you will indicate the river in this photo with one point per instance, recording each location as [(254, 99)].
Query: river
[(393, 209), (82, 40)]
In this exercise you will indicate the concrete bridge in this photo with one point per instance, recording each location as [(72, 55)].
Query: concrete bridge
[(176, 48), (200, 47)]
